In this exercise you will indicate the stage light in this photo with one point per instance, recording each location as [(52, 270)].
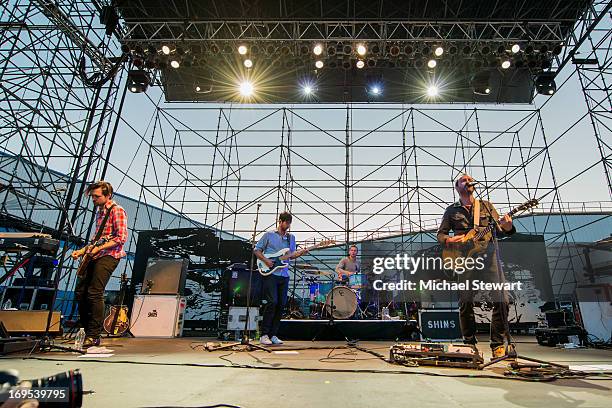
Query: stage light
[(545, 83), (138, 80), (198, 89), (166, 50), (246, 89), (480, 83), (307, 89), (515, 48), (439, 51), (242, 50), (248, 63), (361, 49), (375, 90), (319, 64), (432, 63), (360, 64), (175, 64), (506, 64), (318, 49), (432, 91)]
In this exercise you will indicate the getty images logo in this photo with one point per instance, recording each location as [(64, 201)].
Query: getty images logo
[(152, 313)]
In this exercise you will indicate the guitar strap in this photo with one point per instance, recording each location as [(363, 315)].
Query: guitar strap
[(476, 214), (103, 225)]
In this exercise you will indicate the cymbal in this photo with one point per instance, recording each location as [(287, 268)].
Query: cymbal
[(302, 266), (316, 272)]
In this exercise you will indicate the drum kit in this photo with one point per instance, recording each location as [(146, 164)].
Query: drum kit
[(328, 297)]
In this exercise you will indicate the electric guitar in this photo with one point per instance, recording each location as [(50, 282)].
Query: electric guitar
[(477, 240), (87, 258), (117, 322), (281, 260)]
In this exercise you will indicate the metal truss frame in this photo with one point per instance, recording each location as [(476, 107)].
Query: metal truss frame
[(400, 31), (51, 121)]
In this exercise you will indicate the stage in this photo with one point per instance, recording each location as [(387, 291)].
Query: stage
[(179, 372)]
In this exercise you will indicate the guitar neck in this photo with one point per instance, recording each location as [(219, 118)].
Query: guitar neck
[(491, 226)]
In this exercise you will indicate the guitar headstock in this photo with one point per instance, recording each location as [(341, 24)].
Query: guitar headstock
[(326, 242), (527, 205)]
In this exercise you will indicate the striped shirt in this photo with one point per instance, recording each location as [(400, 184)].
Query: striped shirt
[(115, 227)]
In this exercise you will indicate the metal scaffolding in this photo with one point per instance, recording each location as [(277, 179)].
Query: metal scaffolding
[(350, 172)]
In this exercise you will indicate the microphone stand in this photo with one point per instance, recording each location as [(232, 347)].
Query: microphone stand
[(245, 341), (331, 326), (510, 352)]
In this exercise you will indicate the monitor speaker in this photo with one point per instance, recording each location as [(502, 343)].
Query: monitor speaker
[(165, 276)]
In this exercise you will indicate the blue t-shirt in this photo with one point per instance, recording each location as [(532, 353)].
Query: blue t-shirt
[(272, 242)]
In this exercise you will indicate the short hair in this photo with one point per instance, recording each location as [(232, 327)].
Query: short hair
[(285, 216), (460, 177), (107, 188), (353, 246)]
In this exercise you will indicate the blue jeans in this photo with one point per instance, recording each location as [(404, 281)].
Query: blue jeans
[(274, 299)]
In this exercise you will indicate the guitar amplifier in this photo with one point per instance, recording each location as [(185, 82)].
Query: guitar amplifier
[(157, 316), (165, 276), (19, 322)]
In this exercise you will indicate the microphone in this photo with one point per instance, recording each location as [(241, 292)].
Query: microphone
[(472, 183)]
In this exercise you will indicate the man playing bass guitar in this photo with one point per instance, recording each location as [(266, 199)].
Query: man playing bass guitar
[(111, 223), (276, 284), (460, 218)]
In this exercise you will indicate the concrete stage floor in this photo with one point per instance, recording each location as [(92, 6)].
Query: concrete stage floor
[(150, 373)]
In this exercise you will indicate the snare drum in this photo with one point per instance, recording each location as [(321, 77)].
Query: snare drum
[(345, 302)]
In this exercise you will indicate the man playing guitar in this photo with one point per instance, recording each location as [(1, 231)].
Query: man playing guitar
[(111, 222), (276, 284), (459, 218)]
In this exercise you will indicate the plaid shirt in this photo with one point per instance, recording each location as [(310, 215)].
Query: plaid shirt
[(116, 227)]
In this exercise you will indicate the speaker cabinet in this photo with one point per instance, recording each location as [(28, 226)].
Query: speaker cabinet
[(19, 322), (165, 276), (157, 316)]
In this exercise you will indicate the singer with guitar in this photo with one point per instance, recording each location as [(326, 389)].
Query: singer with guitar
[(462, 217), (275, 284), (99, 259)]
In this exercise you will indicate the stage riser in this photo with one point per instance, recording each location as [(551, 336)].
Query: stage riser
[(353, 329)]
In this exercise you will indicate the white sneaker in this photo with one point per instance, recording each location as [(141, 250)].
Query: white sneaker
[(276, 340), (265, 340)]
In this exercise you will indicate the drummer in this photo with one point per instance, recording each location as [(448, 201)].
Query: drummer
[(349, 266)]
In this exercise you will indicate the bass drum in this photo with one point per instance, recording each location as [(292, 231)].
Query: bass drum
[(345, 302)]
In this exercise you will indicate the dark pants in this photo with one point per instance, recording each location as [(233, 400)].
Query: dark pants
[(89, 292), (499, 315), (468, 320), (274, 298)]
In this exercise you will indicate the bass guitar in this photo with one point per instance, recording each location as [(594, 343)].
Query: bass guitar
[(281, 260), (476, 240)]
